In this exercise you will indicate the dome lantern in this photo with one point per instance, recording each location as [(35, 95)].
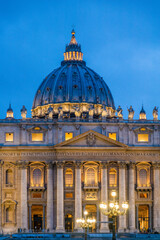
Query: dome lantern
[(73, 50)]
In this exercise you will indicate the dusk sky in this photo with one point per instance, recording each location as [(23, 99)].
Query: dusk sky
[(120, 41)]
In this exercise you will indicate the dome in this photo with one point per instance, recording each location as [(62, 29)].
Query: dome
[(72, 83)]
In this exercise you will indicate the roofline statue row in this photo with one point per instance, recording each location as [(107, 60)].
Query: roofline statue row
[(84, 112)]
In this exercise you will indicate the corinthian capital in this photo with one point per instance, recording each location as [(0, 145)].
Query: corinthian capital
[(104, 165), (49, 165), (132, 165), (60, 164), (122, 165), (156, 165), (1, 163), (22, 164), (78, 164)]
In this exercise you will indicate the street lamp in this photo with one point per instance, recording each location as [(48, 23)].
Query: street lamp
[(112, 210), (86, 223)]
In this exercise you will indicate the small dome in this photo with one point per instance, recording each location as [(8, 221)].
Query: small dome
[(73, 82), (142, 114), (9, 112)]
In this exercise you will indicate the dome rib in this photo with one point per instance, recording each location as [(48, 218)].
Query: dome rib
[(83, 85)]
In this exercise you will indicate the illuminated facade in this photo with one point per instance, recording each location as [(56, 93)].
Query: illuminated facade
[(73, 152)]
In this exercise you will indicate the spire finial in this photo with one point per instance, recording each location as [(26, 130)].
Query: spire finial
[(73, 32), (73, 39)]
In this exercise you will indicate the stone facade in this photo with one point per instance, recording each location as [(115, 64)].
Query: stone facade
[(20, 194)]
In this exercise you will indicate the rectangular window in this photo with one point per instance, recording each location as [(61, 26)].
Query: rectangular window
[(113, 136), (9, 137), (37, 195), (143, 137), (143, 195), (68, 135), (69, 195), (37, 137)]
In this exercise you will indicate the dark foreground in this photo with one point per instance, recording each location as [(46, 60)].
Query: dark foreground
[(77, 236)]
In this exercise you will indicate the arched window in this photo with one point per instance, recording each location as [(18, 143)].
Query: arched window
[(90, 176), (9, 214), (37, 177), (9, 176), (143, 177), (112, 177), (69, 178)]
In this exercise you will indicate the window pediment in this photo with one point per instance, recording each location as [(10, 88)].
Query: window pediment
[(36, 129), (143, 130)]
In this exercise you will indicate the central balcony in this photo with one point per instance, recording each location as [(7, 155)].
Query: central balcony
[(91, 186)]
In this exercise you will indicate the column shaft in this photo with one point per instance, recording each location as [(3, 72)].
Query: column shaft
[(30, 218), (24, 208), (44, 217), (122, 195), (132, 197), (60, 199), (156, 201), (104, 197), (0, 196), (49, 197), (78, 196)]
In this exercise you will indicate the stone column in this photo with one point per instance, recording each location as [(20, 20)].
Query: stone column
[(60, 198), (24, 207), (104, 197), (132, 197), (150, 216), (156, 198), (78, 195), (44, 217), (30, 218), (122, 194), (137, 223), (1, 163), (49, 197)]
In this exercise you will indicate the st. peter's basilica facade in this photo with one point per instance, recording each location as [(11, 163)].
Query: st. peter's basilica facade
[(73, 152)]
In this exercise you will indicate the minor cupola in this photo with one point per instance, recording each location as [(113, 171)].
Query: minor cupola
[(23, 112), (73, 50), (9, 112), (142, 115)]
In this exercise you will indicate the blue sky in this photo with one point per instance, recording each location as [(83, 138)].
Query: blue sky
[(120, 40)]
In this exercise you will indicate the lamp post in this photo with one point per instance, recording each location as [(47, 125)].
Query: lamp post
[(112, 210), (86, 223)]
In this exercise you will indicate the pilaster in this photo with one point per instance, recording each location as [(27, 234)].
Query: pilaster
[(1, 164), (78, 195), (49, 197), (24, 208), (60, 198), (104, 196), (156, 194), (122, 194), (132, 214)]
